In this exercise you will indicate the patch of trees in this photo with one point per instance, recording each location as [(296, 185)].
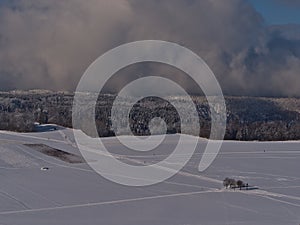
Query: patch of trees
[(233, 184), (20, 122)]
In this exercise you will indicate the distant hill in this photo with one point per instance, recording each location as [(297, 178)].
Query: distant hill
[(248, 118)]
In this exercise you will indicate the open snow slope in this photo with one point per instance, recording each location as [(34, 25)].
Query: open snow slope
[(74, 194)]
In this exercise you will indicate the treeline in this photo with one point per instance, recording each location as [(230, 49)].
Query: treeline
[(248, 118)]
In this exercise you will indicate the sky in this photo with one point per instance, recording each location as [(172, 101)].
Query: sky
[(278, 12), (50, 44)]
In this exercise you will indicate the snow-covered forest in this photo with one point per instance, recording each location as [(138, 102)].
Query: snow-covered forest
[(248, 118)]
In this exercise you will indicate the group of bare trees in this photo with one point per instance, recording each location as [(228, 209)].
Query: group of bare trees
[(233, 184)]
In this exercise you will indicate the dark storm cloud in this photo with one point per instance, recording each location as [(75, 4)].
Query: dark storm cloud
[(49, 44)]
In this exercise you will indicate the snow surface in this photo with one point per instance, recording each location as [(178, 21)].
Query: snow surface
[(73, 194)]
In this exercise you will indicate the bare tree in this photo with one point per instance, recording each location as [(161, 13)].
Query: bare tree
[(226, 182), (240, 184), (229, 182)]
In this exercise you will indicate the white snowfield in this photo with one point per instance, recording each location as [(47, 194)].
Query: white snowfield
[(38, 189)]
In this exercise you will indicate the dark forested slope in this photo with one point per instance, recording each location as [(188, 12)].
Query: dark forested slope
[(248, 118)]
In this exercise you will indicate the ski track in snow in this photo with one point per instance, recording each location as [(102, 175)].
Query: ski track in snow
[(108, 202)]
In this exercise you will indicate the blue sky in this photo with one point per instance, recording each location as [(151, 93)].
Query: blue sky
[(277, 12)]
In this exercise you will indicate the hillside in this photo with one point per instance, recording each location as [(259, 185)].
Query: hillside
[(248, 118), (70, 192)]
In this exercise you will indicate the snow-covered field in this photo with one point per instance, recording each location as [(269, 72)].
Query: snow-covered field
[(73, 194)]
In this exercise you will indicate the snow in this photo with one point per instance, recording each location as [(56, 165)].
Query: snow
[(74, 194)]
